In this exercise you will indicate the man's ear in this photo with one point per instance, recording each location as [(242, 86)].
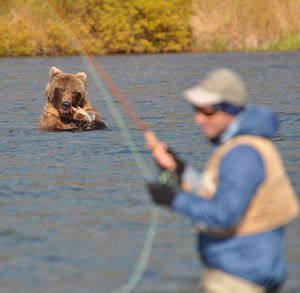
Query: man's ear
[(53, 71), (81, 75)]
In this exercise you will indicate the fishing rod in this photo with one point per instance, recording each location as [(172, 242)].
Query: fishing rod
[(149, 136)]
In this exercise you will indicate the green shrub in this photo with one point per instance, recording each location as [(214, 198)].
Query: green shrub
[(219, 44), (287, 42), (15, 40), (102, 26), (129, 26)]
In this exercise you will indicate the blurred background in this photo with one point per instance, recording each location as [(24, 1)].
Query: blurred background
[(33, 27)]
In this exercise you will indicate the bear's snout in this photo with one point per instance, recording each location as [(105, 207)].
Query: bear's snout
[(66, 105)]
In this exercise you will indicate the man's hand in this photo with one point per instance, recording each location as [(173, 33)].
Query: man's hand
[(161, 194), (160, 152), (164, 157)]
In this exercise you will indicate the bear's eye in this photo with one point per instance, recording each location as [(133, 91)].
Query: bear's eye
[(58, 92), (76, 98)]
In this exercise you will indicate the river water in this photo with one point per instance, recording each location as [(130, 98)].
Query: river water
[(73, 208)]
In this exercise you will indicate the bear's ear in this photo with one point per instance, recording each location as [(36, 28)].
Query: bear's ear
[(81, 75), (53, 71)]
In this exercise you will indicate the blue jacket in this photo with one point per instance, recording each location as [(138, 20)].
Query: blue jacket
[(258, 258)]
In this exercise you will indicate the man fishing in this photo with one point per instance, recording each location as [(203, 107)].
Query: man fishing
[(242, 200)]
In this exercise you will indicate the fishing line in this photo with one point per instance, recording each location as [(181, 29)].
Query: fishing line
[(107, 87)]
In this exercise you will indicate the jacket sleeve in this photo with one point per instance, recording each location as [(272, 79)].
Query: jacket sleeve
[(241, 172)]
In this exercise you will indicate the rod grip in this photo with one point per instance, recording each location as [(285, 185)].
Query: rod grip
[(155, 145)]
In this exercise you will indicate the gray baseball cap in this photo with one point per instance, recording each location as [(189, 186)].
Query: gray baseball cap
[(220, 85)]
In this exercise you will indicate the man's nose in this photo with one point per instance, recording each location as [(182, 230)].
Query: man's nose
[(199, 118)]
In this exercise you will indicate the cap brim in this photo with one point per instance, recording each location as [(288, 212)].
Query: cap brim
[(201, 98)]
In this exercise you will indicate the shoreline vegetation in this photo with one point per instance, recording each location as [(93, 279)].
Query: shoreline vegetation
[(36, 27)]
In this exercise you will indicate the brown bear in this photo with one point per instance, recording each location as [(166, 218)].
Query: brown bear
[(67, 107)]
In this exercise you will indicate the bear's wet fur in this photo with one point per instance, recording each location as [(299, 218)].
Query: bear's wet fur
[(66, 94)]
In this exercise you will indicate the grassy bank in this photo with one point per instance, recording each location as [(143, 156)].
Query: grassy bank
[(245, 25), (33, 28)]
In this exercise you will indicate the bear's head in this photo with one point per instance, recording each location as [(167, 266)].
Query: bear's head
[(66, 90)]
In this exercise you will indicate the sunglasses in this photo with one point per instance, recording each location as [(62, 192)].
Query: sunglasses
[(207, 111)]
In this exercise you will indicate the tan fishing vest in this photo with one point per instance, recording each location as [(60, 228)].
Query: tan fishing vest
[(274, 203)]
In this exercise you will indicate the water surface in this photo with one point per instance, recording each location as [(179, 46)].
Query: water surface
[(73, 208)]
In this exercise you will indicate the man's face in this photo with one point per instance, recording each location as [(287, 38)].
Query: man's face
[(213, 122)]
